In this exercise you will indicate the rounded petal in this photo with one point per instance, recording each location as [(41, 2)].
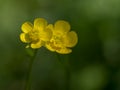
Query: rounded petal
[(40, 23), (36, 44), (61, 26), (46, 34), (26, 27), (50, 26), (64, 51), (23, 38), (48, 46), (71, 39)]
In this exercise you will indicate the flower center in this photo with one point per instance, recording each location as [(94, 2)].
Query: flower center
[(56, 42), (33, 36)]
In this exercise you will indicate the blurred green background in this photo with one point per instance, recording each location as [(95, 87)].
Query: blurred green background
[(94, 62)]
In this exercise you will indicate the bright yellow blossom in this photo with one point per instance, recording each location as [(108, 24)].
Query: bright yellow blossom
[(62, 39), (35, 34)]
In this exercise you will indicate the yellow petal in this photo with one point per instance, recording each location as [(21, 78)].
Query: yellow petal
[(40, 24), (48, 46), (50, 27), (71, 39), (61, 26), (64, 51), (46, 34), (26, 27), (23, 38), (37, 44)]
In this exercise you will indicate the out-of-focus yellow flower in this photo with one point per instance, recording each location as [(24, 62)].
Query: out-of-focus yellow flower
[(62, 39), (35, 34)]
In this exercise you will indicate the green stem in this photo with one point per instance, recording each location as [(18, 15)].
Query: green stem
[(68, 79), (28, 79), (66, 66)]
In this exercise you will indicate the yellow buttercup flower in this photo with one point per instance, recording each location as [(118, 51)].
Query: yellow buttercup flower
[(35, 34), (62, 39)]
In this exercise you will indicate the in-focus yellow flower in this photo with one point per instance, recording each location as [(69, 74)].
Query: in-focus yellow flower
[(62, 39), (35, 34)]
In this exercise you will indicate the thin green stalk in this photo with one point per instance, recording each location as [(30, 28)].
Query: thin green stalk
[(28, 79), (66, 66), (68, 78)]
